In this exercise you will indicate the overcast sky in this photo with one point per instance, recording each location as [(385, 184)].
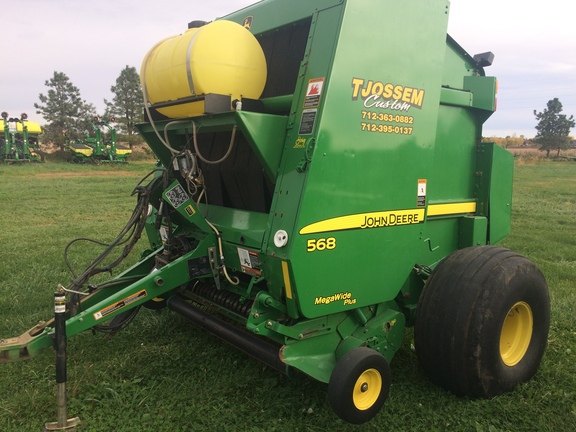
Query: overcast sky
[(92, 41)]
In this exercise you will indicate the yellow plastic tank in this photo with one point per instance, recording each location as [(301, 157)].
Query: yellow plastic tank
[(33, 128), (221, 57)]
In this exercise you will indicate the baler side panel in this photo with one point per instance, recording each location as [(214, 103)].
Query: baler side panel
[(451, 180), (292, 174), (468, 99), (361, 206)]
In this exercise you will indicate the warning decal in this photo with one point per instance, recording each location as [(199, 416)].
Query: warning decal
[(249, 261), (421, 201), (313, 92), (120, 304)]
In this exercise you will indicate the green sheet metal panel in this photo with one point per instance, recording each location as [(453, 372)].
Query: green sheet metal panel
[(265, 133), (299, 148), (494, 175), (374, 120), (501, 196)]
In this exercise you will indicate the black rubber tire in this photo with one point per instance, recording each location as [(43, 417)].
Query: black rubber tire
[(356, 363), (460, 317)]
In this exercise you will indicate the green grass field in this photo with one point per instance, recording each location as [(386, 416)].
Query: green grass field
[(162, 374)]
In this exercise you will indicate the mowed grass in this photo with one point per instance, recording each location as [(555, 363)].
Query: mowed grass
[(162, 374)]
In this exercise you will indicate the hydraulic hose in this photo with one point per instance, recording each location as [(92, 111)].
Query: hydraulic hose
[(202, 158)]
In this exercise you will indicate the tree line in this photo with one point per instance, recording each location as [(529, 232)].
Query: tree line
[(68, 116)]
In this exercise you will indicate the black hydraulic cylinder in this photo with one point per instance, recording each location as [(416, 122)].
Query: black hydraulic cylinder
[(63, 422), (60, 335), (245, 342)]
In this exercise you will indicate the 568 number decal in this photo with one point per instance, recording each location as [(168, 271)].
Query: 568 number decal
[(321, 244)]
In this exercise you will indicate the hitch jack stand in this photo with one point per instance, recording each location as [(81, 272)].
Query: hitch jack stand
[(63, 423)]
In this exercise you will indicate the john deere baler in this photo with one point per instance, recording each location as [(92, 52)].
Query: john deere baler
[(322, 185)]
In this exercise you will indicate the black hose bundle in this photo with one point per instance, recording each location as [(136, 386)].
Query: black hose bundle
[(128, 237)]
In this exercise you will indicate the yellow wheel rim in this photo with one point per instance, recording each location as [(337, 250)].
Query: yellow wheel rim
[(367, 389), (516, 334)]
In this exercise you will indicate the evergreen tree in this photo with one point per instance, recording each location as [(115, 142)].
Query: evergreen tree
[(126, 105), (63, 109), (553, 128)]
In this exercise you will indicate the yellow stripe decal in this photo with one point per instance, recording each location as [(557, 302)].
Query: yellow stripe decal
[(387, 218), (286, 275), (366, 220), (451, 209)]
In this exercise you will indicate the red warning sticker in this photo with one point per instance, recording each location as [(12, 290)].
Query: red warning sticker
[(313, 92), (250, 262)]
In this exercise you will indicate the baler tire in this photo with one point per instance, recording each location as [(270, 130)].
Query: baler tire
[(482, 321), (359, 385)]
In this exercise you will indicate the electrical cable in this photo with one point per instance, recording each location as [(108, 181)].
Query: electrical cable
[(193, 176), (202, 158), (166, 134), (236, 281), (134, 227), (128, 237)]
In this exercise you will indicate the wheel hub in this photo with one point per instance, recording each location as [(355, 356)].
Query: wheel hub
[(367, 389), (516, 333)]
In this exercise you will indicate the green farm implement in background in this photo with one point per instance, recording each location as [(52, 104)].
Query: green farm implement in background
[(19, 140), (323, 185), (99, 148)]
